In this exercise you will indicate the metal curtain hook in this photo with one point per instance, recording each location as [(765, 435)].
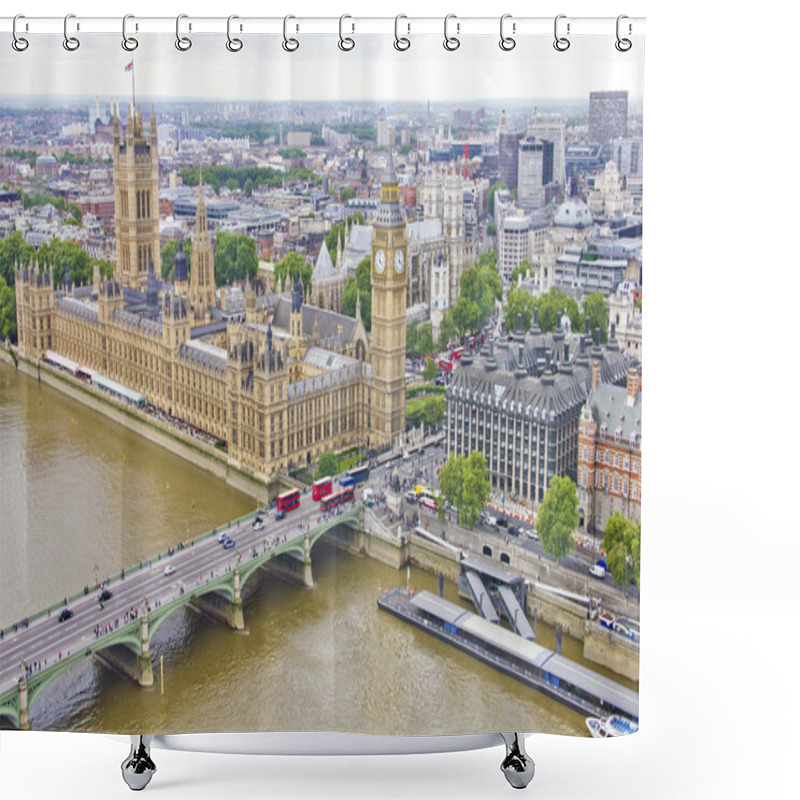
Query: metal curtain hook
[(623, 45), (70, 42), (345, 42), (506, 42), (233, 44), (451, 42), (129, 43), (19, 43), (183, 43), (289, 44), (561, 43), (401, 42)]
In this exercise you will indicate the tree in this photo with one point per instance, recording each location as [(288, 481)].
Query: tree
[(466, 315), (594, 308), (430, 370), (14, 249), (551, 307), (346, 193), (168, 252), (327, 465), (447, 330), (248, 187), (59, 253), (235, 258), (419, 339), (464, 483), (521, 270), (622, 543), (558, 517), (360, 286), (292, 266), (428, 410), (8, 312), (519, 304)]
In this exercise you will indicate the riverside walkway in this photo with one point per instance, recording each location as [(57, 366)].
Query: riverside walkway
[(201, 572)]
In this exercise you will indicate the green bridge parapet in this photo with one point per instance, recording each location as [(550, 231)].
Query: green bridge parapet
[(130, 633)]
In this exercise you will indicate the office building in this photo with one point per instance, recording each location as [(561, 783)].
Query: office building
[(608, 116)]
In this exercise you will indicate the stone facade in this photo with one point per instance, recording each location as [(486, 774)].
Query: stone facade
[(519, 404), (610, 453), (278, 381)]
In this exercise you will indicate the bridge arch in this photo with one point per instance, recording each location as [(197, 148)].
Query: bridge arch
[(11, 713)]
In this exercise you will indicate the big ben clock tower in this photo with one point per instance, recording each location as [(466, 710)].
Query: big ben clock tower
[(388, 339)]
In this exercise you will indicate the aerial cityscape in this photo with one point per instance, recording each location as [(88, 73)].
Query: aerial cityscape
[(277, 368)]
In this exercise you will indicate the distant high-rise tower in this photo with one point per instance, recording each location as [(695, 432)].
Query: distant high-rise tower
[(608, 116), (388, 339), (136, 200), (551, 131), (202, 284), (508, 146), (534, 172)]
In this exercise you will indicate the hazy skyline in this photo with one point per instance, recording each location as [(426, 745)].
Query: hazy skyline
[(319, 71)]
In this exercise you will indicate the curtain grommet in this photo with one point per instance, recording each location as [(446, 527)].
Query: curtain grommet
[(289, 44), (71, 43), (451, 43), (183, 43)]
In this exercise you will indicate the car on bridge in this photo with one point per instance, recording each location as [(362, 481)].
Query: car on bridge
[(280, 514), (223, 537), (229, 543), (258, 524), (66, 613), (105, 595), (169, 569)]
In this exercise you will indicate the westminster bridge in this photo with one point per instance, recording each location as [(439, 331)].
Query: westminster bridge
[(202, 573)]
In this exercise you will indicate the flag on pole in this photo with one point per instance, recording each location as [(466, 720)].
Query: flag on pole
[(129, 67)]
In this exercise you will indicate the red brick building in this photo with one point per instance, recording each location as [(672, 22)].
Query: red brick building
[(610, 452)]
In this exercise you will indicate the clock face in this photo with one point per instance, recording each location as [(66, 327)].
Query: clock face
[(399, 261), (380, 261)]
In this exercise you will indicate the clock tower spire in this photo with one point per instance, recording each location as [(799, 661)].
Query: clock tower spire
[(388, 338)]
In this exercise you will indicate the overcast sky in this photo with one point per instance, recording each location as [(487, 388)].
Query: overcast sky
[(318, 70)]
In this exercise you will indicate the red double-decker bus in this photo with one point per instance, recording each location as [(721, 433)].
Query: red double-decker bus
[(321, 488), (337, 498), (288, 500)]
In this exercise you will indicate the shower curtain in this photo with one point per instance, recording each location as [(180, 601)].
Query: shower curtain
[(280, 300)]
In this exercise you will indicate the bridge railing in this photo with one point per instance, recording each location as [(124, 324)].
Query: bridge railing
[(132, 570)]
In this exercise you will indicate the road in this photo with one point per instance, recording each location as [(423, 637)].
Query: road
[(46, 640)]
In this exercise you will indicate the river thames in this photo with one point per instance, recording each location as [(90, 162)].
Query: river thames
[(85, 497)]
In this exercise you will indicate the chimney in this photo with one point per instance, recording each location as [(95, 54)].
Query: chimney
[(595, 372), (634, 386)]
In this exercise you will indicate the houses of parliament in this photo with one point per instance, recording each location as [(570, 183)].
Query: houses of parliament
[(280, 381)]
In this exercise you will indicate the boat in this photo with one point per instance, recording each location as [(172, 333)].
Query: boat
[(615, 725)]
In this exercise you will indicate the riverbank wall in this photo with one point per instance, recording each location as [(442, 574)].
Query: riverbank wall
[(199, 453)]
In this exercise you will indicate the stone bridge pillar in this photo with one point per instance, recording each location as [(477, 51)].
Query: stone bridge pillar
[(308, 577), (144, 672), (236, 620), (24, 718), (220, 607)]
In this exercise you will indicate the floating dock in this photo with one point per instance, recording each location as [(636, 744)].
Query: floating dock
[(514, 613), (536, 666)]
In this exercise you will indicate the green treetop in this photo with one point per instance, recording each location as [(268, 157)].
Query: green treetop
[(622, 545), (558, 517), (464, 483)]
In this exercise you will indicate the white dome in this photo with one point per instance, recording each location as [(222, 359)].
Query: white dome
[(573, 213)]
